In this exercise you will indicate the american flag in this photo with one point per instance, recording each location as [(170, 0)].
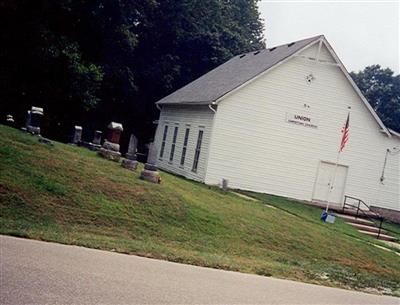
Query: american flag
[(345, 133)]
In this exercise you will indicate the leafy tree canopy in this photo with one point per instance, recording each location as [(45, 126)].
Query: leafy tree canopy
[(88, 62), (382, 90)]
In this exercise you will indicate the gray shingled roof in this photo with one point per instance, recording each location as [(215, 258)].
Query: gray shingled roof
[(233, 73)]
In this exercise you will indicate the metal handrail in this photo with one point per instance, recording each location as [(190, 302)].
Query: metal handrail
[(358, 206), (365, 215)]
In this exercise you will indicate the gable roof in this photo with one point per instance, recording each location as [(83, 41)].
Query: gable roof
[(395, 133), (233, 73), (241, 69)]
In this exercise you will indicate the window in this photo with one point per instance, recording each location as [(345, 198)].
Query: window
[(185, 142), (171, 154), (163, 141), (197, 151)]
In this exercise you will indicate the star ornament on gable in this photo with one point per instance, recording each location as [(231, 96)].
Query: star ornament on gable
[(310, 78)]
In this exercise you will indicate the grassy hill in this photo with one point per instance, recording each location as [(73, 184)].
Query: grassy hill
[(70, 195)]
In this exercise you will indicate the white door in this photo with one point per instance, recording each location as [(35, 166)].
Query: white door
[(324, 182)]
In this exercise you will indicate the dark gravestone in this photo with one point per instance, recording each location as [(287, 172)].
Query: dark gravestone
[(114, 132), (10, 120), (110, 148), (97, 137), (96, 141), (76, 139), (28, 119), (34, 120)]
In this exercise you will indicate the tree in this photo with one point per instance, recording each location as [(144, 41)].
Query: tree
[(43, 65), (188, 38), (382, 90), (88, 62)]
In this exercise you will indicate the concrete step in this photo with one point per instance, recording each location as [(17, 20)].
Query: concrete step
[(352, 219), (369, 228), (381, 236), (393, 244), (353, 212)]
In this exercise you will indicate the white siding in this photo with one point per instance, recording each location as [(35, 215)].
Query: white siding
[(256, 149), (391, 184), (194, 117)]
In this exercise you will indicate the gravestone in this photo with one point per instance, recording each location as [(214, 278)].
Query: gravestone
[(27, 122), (34, 120), (110, 148), (97, 137), (150, 172), (130, 161), (114, 132), (96, 141), (10, 120), (77, 135)]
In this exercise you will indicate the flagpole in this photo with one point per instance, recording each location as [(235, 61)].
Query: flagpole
[(342, 143)]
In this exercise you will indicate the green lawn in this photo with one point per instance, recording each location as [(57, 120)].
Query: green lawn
[(312, 214), (393, 229), (70, 195)]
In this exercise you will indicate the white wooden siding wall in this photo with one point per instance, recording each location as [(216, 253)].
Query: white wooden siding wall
[(256, 149), (196, 118), (391, 184)]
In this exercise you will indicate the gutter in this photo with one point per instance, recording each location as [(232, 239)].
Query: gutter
[(211, 108)]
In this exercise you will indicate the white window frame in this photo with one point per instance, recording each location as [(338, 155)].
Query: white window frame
[(184, 148), (163, 142), (197, 150), (173, 144)]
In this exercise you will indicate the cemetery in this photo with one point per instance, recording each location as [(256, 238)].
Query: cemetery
[(145, 144), (90, 192), (108, 149), (71, 194)]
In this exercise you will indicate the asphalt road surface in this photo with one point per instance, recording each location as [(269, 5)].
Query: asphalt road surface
[(34, 272)]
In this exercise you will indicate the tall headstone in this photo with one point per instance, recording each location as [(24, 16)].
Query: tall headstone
[(150, 172), (97, 137), (34, 120), (130, 161), (132, 148), (76, 139), (28, 121), (110, 148), (152, 155), (96, 144)]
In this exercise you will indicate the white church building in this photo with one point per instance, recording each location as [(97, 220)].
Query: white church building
[(270, 121)]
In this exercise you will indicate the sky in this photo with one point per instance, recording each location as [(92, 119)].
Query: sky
[(362, 32)]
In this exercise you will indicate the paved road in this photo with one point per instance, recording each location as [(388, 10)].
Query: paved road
[(34, 272)]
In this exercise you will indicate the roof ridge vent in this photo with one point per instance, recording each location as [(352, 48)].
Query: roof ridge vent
[(256, 52), (290, 44), (272, 49)]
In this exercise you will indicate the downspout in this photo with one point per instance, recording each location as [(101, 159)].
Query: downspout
[(210, 142), (158, 107), (211, 108)]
